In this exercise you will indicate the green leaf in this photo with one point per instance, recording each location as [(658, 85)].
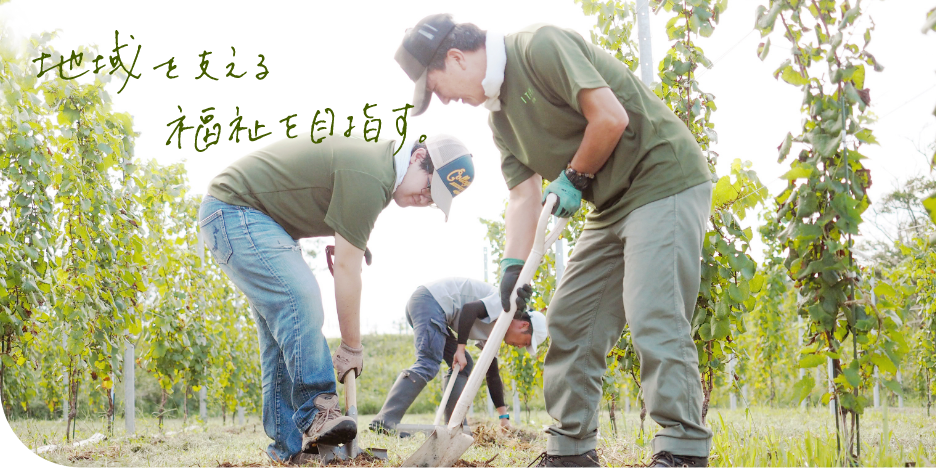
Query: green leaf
[(884, 363), (802, 388), (785, 147), (826, 145), (720, 329), (851, 375), (735, 293), (757, 283), (793, 77), (105, 148), (766, 19), (929, 203), (894, 386), (798, 172), (811, 360), (763, 49), (722, 310), (884, 289), (865, 136)]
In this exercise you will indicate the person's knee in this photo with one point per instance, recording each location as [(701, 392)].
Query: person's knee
[(424, 369)]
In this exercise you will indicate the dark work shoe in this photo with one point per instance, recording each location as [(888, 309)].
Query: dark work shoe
[(666, 459), (589, 458)]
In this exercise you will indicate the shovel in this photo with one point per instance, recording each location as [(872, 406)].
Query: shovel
[(447, 443), (349, 451), (440, 413)]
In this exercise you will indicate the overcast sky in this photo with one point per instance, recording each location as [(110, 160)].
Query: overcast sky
[(340, 55)]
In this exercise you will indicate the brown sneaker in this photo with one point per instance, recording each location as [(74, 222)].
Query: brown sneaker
[(666, 459), (328, 427), (589, 458)]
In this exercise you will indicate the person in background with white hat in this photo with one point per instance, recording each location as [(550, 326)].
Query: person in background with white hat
[(254, 213), (444, 315)]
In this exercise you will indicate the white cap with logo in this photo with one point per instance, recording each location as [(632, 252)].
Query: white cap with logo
[(454, 169)]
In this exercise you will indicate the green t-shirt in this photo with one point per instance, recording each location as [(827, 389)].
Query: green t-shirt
[(540, 125), (313, 190)]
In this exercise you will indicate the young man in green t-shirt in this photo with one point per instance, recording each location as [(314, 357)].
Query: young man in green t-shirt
[(563, 109), (253, 214)]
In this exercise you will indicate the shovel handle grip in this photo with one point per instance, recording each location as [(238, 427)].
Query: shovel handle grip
[(350, 389), (542, 241)]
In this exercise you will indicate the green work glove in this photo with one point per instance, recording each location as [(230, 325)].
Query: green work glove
[(570, 198)]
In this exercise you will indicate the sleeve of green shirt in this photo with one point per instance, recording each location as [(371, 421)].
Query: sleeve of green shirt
[(513, 170), (357, 199), (560, 60)]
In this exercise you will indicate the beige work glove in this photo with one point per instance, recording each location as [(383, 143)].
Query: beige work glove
[(347, 359)]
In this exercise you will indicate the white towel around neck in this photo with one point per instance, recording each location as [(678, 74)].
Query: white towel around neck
[(496, 64)]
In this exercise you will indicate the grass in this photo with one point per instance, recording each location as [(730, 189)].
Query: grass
[(759, 437)]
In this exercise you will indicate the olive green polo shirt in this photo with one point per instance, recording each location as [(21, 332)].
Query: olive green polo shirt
[(312, 190), (540, 125)]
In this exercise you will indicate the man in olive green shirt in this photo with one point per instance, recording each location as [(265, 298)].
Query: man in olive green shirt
[(253, 214), (563, 109)]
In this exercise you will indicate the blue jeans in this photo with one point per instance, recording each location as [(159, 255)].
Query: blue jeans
[(434, 343), (266, 264)]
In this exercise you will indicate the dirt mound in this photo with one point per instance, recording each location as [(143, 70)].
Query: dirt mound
[(488, 435)]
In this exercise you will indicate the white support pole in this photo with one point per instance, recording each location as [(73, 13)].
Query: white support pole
[(203, 404), (899, 396), (485, 264), (877, 374), (129, 389), (733, 398), (643, 41), (516, 403), (802, 372), (240, 409), (831, 388), (65, 406)]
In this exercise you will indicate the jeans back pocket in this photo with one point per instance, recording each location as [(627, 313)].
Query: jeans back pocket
[(215, 235)]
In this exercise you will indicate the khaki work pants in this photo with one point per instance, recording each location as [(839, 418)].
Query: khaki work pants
[(643, 271)]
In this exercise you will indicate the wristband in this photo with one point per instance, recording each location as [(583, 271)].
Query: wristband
[(579, 180), (507, 261), (504, 416)]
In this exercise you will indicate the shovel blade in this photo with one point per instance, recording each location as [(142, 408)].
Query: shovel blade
[(378, 453), (443, 447), (330, 453)]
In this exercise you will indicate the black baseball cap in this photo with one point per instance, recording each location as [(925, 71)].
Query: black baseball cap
[(419, 46)]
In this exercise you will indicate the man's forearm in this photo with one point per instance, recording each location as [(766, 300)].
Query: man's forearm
[(348, 303), (607, 121), (523, 210)]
